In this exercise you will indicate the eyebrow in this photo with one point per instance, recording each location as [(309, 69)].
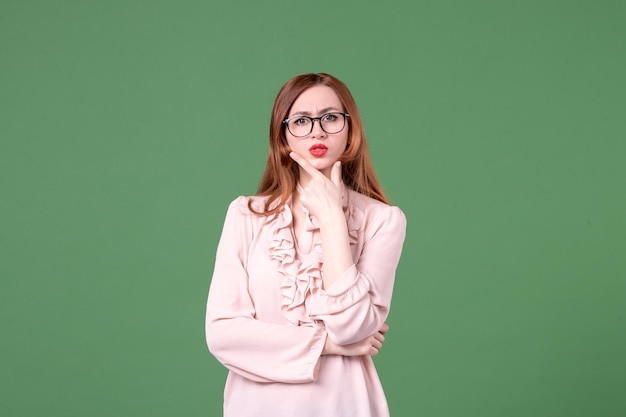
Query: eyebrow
[(323, 111)]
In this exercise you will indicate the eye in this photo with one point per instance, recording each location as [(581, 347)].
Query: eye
[(300, 121), (331, 117)]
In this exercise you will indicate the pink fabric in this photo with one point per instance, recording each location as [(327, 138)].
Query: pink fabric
[(268, 316)]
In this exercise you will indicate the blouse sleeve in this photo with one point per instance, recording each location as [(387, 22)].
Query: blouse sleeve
[(257, 350), (357, 304)]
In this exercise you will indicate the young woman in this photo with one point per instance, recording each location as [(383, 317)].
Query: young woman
[(304, 270)]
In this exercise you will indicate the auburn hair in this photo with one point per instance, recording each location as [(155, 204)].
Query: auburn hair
[(282, 173)]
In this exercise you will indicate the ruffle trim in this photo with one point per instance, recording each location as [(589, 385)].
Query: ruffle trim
[(302, 273)]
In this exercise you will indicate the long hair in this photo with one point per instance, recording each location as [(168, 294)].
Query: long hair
[(282, 173)]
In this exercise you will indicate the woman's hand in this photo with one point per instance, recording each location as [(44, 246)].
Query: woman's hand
[(370, 346), (320, 195)]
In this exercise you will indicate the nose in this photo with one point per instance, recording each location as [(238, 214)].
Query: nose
[(316, 129)]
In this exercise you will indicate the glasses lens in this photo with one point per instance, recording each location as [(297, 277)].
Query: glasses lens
[(333, 122), (300, 126)]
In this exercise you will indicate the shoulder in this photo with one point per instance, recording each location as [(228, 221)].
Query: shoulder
[(376, 211), (242, 218), (247, 205)]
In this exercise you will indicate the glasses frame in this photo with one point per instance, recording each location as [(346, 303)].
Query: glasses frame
[(319, 120)]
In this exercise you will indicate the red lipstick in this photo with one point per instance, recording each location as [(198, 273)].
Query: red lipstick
[(318, 150)]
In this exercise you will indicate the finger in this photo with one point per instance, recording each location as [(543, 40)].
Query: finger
[(377, 344), (304, 164), (335, 174), (384, 329)]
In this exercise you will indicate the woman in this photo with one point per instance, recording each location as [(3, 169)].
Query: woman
[(304, 270)]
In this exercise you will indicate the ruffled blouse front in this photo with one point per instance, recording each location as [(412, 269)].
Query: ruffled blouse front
[(301, 271)]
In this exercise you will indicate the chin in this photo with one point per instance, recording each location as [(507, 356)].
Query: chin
[(321, 165)]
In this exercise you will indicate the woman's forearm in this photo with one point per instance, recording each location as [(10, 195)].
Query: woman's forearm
[(335, 246)]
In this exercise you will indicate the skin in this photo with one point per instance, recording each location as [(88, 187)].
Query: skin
[(320, 193)]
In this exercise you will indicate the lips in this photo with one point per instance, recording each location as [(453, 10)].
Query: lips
[(318, 150)]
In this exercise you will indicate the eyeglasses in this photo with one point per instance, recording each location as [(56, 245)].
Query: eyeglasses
[(301, 126)]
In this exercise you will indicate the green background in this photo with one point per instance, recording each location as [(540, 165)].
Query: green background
[(497, 126)]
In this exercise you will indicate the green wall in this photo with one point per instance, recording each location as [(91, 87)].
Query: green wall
[(126, 127)]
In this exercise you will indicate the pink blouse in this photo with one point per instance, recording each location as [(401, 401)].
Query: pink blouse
[(268, 316)]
